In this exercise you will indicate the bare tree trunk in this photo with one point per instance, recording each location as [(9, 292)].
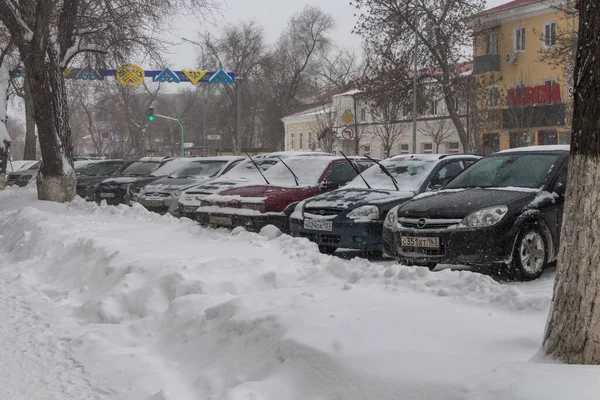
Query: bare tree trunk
[(56, 179), (4, 137), (30, 140), (573, 330)]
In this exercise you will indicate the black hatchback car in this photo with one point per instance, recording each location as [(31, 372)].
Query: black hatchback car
[(505, 210)]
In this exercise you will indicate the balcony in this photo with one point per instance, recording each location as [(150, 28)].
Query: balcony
[(487, 63)]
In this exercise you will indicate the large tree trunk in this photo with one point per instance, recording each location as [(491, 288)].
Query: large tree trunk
[(4, 137), (573, 331), (56, 179), (30, 139)]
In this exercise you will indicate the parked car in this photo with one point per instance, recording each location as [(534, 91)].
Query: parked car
[(352, 217), (243, 174), (505, 210), (14, 166), (162, 195), (88, 181), (116, 190), (23, 176), (285, 184)]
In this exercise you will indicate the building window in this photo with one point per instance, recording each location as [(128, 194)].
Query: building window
[(549, 36), (547, 137), (404, 148), (427, 148), (300, 141), (363, 114), (548, 82), (519, 38), (433, 108), (492, 43), (453, 147), (493, 96), (309, 140), (491, 143), (518, 139), (292, 141)]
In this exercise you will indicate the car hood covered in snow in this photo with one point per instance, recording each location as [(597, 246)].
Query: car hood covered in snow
[(351, 198), (173, 184), (458, 203)]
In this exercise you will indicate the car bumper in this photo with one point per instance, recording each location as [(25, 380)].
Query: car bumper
[(161, 205), (112, 197), (253, 223), (344, 234), (17, 182), (488, 246)]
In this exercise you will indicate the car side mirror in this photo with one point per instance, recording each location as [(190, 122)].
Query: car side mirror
[(329, 185), (560, 189)]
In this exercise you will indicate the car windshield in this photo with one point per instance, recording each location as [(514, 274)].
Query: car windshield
[(103, 168), (307, 169), (141, 168), (506, 170), (199, 169), (409, 172), (247, 170)]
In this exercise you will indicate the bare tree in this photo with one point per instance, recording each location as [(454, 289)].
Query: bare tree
[(572, 332), (49, 35), (562, 53), (323, 126), (439, 130), (443, 34), (387, 127)]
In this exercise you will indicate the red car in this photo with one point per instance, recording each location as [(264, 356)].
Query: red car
[(287, 183)]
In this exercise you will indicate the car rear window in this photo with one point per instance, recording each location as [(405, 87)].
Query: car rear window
[(141, 168), (510, 170), (103, 168), (198, 169)]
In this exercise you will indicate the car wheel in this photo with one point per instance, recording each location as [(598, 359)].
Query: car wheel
[(327, 249), (530, 255)]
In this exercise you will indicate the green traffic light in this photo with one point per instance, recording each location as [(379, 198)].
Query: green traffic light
[(151, 118)]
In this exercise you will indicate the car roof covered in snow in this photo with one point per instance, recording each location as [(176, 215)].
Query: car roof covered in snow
[(293, 153), (155, 159), (219, 158), (433, 157), (533, 149)]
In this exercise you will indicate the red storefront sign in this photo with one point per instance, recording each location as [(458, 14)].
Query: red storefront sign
[(538, 95)]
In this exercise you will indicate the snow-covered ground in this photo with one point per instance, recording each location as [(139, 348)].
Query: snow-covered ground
[(120, 303)]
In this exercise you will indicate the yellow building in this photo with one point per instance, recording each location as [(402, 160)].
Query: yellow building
[(523, 98)]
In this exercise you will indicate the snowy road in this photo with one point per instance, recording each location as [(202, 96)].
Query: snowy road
[(120, 303)]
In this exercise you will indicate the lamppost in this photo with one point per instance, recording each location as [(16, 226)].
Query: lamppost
[(415, 69), (202, 100)]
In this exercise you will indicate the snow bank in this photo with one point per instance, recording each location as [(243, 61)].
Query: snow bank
[(165, 309)]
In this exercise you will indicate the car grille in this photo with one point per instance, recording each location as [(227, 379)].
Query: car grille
[(322, 238), (156, 194), (428, 223), (407, 251), (324, 212)]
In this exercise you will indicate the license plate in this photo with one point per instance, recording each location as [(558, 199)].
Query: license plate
[(318, 225), (221, 221), (154, 203), (105, 195), (426, 242)]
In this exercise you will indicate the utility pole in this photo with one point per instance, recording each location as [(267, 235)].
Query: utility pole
[(238, 89), (414, 133), (203, 99)]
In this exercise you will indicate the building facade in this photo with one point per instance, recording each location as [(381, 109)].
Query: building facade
[(524, 96), (352, 125)]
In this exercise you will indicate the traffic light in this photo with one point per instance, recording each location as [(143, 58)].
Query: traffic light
[(151, 114)]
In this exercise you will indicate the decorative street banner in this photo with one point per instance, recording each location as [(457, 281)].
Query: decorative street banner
[(134, 75)]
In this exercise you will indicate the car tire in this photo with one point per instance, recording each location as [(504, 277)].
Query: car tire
[(530, 254), (327, 249)]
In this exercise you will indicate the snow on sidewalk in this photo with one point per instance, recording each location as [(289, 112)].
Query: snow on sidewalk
[(159, 308)]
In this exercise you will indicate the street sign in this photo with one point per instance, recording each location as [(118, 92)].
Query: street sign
[(213, 137), (348, 117), (348, 134), (188, 145)]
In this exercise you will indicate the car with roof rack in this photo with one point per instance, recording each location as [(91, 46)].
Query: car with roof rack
[(243, 174), (504, 211), (284, 185), (352, 217), (162, 195)]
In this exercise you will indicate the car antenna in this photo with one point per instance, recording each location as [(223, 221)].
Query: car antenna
[(385, 171), (259, 171), (356, 170), (292, 172)]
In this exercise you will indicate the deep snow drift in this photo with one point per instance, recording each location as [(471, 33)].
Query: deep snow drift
[(151, 307)]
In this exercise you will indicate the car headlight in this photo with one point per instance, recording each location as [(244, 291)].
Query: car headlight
[(299, 211), (483, 218), (364, 213), (391, 217)]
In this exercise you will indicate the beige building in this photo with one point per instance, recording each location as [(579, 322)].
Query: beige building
[(354, 126)]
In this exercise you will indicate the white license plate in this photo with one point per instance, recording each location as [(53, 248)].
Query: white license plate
[(154, 203), (105, 195), (318, 225), (221, 221), (426, 242)]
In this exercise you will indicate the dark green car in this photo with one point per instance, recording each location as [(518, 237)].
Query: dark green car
[(352, 217)]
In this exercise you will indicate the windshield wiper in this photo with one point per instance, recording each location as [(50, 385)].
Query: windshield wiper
[(258, 169), (385, 171), (355, 168), (292, 172)]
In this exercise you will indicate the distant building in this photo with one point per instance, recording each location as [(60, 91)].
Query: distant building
[(522, 100)]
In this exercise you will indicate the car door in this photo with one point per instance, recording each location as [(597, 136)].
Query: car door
[(339, 174), (444, 173), (558, 191)]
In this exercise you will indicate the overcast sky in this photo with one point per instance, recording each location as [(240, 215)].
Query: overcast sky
[(272, 15)]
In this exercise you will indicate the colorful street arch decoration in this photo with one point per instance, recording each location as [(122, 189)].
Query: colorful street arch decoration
[(134, 75)]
